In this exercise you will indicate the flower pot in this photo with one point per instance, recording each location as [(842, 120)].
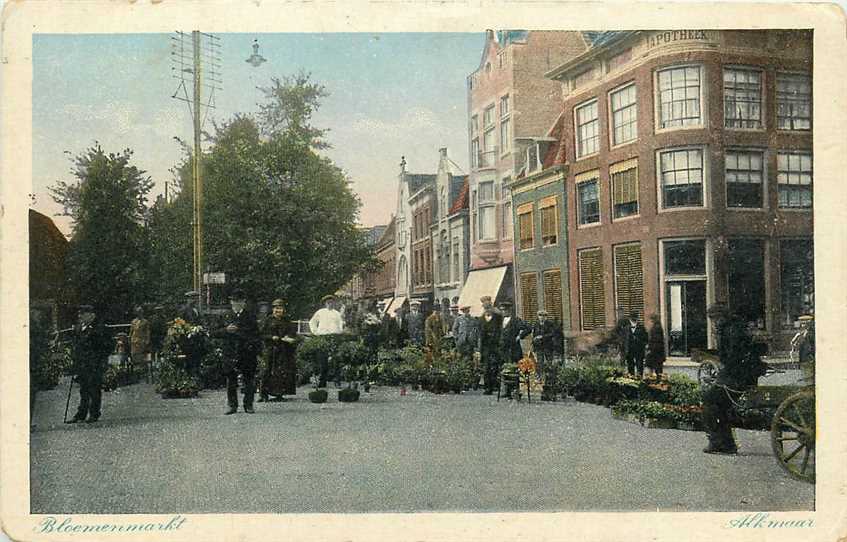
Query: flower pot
[(348, 395), (318, 396)]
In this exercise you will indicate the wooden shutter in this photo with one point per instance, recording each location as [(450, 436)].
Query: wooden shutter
[(552, 280), (591, 289), (526, 226), (547, 208), (625, 186), (629, 279), (529, 296)]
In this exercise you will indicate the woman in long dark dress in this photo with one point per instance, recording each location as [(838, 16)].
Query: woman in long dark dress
[(279, 375), (655, 358)]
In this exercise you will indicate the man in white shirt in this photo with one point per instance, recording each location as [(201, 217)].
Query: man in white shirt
[(326, 321)]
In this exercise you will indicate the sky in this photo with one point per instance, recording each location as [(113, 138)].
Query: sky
[(391, 95)]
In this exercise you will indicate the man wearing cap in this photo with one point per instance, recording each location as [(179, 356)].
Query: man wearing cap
[(91, 345), (241, 347), (740, 369), (545, 344), (415, 323), (279, 372), (188, 311), (490, 328), (326, 322)]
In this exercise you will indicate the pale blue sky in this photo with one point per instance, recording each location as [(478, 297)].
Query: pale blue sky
[(390, 95)]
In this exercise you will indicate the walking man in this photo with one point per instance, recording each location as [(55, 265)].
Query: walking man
[(90, 347), (241, 347), (326, 321)]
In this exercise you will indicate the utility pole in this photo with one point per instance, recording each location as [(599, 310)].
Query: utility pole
[(205, 49)]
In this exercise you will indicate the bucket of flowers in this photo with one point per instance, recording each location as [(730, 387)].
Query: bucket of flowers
[(527, 368)]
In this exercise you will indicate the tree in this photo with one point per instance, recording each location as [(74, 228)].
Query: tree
[(107, 255), (280, 220)]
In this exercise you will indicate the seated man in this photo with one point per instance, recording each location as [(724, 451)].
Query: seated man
[(740, 369)]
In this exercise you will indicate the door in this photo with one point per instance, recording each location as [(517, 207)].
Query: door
[(687, 326)]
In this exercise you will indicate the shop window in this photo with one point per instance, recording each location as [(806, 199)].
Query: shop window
[(746, 280), (793, 101), (686, 257), (552, 281), (525, 227), (587, 129), (591, 289), (797, 280), (588, 197), (681, 178), (742, 98), (624, 189), (794, 178), (679, 97), (629, 279), (744, 174), (624, 115), (548, 208), (529, 296)]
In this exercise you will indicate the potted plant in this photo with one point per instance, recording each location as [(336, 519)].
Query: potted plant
[(352, 356), (317, 395)]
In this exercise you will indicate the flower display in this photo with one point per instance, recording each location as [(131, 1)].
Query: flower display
[(527, 366)]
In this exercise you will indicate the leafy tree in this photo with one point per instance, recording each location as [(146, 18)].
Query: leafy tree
[(107, 255)]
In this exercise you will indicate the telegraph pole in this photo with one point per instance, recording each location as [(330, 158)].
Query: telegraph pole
[(205, 49)]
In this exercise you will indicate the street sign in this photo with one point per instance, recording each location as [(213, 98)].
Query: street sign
[(214, 278)]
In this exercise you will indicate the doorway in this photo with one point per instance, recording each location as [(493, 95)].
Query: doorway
[(687, 325)]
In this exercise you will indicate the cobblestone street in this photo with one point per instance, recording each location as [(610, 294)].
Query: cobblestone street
[(420, 452)]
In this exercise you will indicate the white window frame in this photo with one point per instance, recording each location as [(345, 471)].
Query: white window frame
[(599, 221), (505, 120), (762, 104), (508, 218), (489, 205), (811, 100), (612, 193), (705, 185), (612, 143), (576, 125), (764, 183), (811, 185), (657, 106)]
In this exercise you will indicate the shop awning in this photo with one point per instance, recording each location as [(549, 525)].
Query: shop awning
[(388, 301), (480, 283), (396, 303)]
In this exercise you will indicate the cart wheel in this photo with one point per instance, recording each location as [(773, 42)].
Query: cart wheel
[(707, 373), (793, 435)]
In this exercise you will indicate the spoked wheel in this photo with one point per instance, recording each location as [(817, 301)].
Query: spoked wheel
[(707, 373), (793, 435)]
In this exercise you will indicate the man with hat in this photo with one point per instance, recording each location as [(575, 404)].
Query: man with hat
[(466, 334), (326, 322), (633, 344), (279, 372), (514, 330), (241, 348), (91, 345), (434, 329), (547, 348), (415, 323), (490, 328), (188, 311), (740, 369), (804, 341)]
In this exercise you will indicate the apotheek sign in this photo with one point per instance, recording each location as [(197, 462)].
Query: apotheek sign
[(670, 36)]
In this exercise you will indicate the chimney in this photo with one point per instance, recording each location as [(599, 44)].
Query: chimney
[(402, 164)]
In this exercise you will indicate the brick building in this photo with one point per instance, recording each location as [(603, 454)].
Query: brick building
[(689, 179), (384, 278), (450, 230), (509, 102)]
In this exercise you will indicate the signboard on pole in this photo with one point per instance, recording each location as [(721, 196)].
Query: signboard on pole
[(214, 278)]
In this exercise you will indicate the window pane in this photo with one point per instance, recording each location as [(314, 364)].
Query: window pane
[(685, 257), (679, 97), (794, 178)]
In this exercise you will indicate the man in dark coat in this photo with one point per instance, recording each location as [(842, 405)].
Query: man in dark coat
[(546, 343), (415, 323), (188, 311), (91, 346), (740, 369), (514, 330), (490, 329), (634, 342), (241, 348), (279, 373)]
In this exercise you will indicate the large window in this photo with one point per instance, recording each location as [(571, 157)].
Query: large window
[(525, 227), (681, 178), (529, 296), (489, 138), (508, 224), (474, 141), (793, 101), (552, 282), (629, 279), (588, 197), (746, 280), (742, 98), (624, 188), (679, 97), (548, 209), (486, 222), (587, 129), (794, 177), (685, 258), (624, 115), (744, 174), (505, 122), (797, 280), (457, 276), (591, 290)]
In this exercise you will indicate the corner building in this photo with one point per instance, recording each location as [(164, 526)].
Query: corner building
[(690, 180)]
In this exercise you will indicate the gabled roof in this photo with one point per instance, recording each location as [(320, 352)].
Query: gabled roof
[(419, 180), (555, 152), (461, 201)]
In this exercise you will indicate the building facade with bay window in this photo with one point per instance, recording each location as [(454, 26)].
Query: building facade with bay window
[(689, 180)]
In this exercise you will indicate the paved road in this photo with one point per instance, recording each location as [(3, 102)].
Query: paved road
[(420, 452)]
